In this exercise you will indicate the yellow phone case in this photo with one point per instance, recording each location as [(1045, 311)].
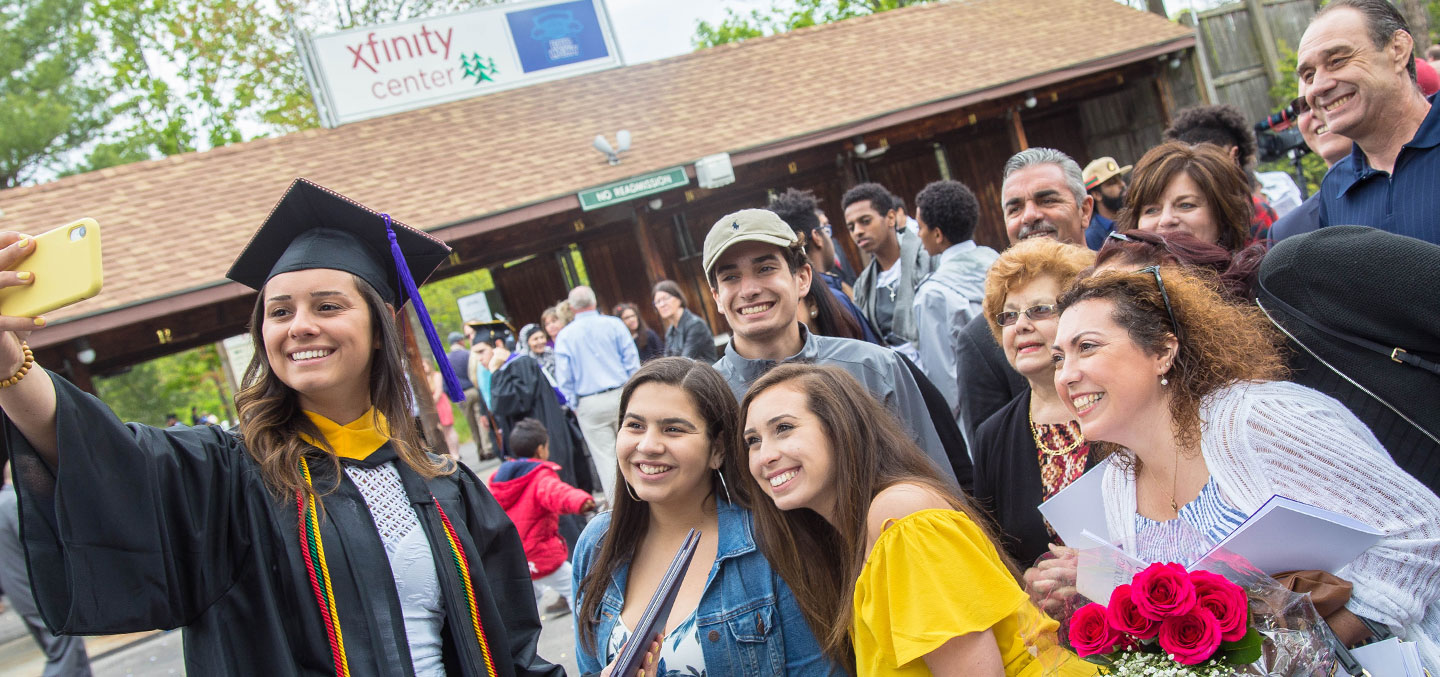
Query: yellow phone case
[(66, 265)]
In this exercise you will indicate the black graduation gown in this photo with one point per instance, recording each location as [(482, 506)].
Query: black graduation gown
[(519, 390), (144, 528)]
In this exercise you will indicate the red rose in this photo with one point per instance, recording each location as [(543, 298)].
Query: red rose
[(1192, 638), (1162, 591), (1225, 600), (1125, 617), (1090, 633)]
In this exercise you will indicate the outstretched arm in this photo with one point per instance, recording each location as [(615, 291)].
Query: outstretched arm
[(30, 402)]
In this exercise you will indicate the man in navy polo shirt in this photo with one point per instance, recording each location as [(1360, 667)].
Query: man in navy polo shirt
[(1356, 64)]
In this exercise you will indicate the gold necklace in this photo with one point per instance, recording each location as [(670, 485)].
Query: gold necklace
[(1045, 448)]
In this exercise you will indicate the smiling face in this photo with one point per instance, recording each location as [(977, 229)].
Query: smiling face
[(757, 292), (1331, 147), (663, 447), (1182, 208), (1109, 382), (1344, 75), (319, 339), (553, 325), (870, 229), (790, 455), (1039, 203), (1027, 342), (536, 342)]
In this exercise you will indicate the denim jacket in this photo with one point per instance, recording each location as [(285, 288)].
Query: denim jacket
[(747, 620)]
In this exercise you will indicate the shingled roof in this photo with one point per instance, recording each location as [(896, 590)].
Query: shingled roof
[(174, 225)]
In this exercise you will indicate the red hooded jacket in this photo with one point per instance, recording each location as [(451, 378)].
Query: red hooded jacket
[(534, 497)]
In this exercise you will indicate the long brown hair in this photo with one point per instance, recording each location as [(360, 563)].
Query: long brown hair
[(641, 334), (1220, 342), (871, 451), (630, 518), (271, 420), (1225, 187)]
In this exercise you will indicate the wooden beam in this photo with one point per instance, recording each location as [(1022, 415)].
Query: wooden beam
[(1017, 131), (1264, 39)]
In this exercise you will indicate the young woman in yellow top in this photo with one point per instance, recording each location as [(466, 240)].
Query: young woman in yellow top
[(895, 570)]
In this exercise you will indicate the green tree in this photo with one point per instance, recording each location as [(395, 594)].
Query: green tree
[(170, 385), (48, 103), (786, 16)]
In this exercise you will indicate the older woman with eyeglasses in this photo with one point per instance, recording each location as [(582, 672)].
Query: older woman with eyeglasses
[(1187, 385), (1032, 447)]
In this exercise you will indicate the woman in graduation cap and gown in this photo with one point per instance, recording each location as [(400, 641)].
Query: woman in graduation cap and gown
[(322, 538)]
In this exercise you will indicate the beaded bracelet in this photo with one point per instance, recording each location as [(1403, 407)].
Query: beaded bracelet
[(24, 367)]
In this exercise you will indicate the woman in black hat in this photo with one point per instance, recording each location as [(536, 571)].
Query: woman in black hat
[(322, 538)]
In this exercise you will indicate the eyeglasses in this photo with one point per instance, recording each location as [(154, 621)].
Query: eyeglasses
[(1117, 235), (1299, 106), (1040, 312), (1164, 296)]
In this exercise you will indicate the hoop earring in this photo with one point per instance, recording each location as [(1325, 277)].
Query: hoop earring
[(631, 491), (724, 486)]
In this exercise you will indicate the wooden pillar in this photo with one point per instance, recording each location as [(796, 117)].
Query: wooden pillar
[(654, 267), (1017, 131), (1202, 62), (419, 385), (1164, 100), (1265, 39)]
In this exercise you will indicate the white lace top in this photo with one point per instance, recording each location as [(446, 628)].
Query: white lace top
[(1263, 439), (411, 563)]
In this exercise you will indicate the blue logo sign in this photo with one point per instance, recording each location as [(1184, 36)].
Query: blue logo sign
[(557, 35)]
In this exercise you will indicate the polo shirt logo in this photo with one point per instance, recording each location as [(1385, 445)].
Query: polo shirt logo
[(735, 225)]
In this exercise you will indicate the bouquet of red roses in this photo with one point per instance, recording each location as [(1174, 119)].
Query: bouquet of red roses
[(1169, 621)]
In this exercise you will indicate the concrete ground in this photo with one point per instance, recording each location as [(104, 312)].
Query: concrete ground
[(159, 653)]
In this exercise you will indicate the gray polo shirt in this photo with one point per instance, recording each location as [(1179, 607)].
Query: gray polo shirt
[(879, 369)]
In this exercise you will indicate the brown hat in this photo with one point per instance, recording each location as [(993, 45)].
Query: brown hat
[(1103, 169), (746, 225)]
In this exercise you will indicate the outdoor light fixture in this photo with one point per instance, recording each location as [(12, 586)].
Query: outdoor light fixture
[(865, 152), (1031, 101), (1175, 60), (656, 203), (612, 153), (84, 352)]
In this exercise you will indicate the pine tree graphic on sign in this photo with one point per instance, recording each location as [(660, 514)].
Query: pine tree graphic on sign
[(478, 67)]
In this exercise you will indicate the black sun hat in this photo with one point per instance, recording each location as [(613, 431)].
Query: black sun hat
[(1359, 308), (314, 227)]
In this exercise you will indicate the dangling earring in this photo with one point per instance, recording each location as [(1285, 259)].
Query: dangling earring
[(1164, 381), (721, 475), (631, 491)]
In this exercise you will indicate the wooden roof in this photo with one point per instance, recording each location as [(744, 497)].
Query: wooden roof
[(174, 225)]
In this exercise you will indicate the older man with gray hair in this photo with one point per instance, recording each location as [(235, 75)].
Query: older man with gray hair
[(1043, 195), (594, 357)]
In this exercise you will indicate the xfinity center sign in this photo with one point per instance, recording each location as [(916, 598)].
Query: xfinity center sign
[(378, 70)]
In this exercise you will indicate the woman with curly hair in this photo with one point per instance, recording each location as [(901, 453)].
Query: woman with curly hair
[(1187, 385), (896, 570), (1191, 189), (1032, 447)]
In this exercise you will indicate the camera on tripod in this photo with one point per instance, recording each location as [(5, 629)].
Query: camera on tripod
[(1278, 134)]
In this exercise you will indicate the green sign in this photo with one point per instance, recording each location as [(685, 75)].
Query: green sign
[(629, 189)]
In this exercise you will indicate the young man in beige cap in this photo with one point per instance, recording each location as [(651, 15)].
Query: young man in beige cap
[(1105, 181), (758, 273)]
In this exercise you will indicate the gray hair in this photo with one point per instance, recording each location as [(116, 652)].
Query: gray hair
[(1382, 19), (1048, 156), (581, 298)]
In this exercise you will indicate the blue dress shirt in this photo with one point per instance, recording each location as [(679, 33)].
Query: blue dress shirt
[(1096, 232), (1405, 202), (593, 354)]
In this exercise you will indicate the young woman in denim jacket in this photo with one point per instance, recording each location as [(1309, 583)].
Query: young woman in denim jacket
[(733, 614)]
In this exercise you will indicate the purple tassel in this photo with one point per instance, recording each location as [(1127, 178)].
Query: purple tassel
[(452, 384)]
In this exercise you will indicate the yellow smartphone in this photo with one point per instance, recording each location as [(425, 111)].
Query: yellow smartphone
[(66, 265)]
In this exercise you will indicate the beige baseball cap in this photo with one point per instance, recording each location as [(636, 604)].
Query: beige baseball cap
[(746, 225), (1101, 170)]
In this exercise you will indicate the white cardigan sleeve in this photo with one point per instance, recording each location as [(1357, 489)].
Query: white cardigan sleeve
[(1282, 438)]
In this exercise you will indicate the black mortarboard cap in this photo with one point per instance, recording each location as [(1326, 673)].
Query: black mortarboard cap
[(490, 332), (315, 227)]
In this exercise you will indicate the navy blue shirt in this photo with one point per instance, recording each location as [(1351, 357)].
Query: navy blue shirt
[(1406, 202), (1300, 220), (1099, 228)]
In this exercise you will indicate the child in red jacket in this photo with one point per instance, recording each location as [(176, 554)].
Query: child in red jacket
[(534, 497)]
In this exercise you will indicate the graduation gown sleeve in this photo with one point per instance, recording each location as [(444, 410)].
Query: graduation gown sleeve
[(507, 578), (152, 520)]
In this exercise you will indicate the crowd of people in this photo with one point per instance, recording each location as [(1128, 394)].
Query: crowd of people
[(863, 460)]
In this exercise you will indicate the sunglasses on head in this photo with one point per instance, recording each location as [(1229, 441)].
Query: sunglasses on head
[(1164, 296), (1040, 312)]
